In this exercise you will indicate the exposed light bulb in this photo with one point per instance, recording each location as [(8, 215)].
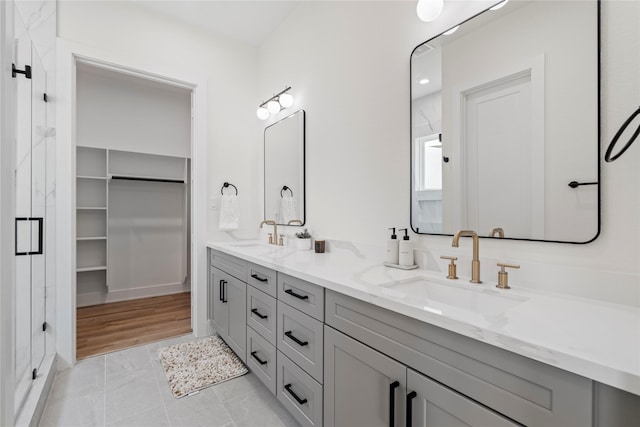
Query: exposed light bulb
[(429, 10), (451, 31), (423, 81), (499, 5), (273, 107), (286, 100), (262, 113)]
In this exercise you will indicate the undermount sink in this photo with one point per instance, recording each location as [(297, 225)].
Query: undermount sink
[(447, 297), (245, 244)]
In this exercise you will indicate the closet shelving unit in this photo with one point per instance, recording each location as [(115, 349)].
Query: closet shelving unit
[(91, 217), (96, 169)]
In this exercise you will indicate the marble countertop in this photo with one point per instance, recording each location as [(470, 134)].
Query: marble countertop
[(597, 340)]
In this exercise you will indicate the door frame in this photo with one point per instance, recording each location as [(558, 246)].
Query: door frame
[(69, 54)]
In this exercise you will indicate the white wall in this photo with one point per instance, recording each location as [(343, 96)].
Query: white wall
[(348, 65), (139, 36)]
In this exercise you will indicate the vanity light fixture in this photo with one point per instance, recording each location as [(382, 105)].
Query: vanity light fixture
[(499, 5), (274, 104), (429, 10)]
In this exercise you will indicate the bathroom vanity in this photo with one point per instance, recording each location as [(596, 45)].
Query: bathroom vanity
[(341, 340)]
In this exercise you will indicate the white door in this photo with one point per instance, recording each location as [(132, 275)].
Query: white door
[(498, 173)]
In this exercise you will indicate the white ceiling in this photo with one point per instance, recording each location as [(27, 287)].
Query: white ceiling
[(243, 20)]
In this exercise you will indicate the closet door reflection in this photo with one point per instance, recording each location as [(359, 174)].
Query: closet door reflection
[(30, 193)]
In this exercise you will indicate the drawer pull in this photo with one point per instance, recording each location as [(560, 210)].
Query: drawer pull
[(410, 398), (293, 294), (260, 361), (255, 311), (392, 403), (295, 396), (255, 276), (296, 340)]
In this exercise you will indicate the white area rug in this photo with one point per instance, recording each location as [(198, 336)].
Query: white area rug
[(198, 364)]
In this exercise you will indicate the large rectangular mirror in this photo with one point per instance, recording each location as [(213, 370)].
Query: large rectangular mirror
[(284, 198), (505, 124)]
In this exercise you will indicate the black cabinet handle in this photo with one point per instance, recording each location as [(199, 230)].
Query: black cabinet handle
[(262, 362), (295, 396), (392, 403), (223, 291), (296, 340), (255, 276), (293, 294), (255, 311), (410, 397), (220, 291)]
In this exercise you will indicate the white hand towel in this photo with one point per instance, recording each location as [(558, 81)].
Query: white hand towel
[(288, 209), (229, 212)]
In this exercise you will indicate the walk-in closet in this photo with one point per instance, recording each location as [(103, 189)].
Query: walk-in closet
[(133, 209)]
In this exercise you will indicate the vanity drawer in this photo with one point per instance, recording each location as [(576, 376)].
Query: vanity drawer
[(261, 314), (299, 393), (229, 264), (301, 338), (262, 278), (261, 359), (527, 391), (304, 296)]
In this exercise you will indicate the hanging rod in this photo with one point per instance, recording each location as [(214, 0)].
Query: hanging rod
[(137, 178), (576, 184), (285, 188), (227, 185)]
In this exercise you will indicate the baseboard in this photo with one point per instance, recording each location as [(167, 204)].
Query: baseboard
[(33, 407), (94, 298)]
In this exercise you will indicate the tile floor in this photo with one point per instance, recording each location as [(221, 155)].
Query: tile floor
[(129, 388)]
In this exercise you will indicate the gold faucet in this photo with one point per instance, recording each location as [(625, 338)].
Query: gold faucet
[(499, 231), (475, 264), (275, 229)]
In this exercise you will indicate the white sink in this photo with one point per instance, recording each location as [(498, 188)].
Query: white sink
[(452, 297), (245, 244)]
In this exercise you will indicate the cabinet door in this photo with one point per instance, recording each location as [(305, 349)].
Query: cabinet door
[(436, 405), (235, 293), (361, 386), (220, 313)]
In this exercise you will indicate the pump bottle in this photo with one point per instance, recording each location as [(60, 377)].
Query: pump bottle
[(405, 253), (391, 256)]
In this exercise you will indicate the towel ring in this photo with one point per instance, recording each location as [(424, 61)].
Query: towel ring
[(285, 188), (226, 185)]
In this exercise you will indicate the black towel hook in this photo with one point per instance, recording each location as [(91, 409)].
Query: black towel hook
[(608, 157), (226, 185), (285, 188)]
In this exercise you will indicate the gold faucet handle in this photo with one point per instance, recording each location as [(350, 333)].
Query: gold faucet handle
[(503, 276), (271, 238), (452, 266)]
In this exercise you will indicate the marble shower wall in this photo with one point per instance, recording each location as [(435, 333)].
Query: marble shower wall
[(39, 18)]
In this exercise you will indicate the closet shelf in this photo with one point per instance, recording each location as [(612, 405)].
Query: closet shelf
[(91, 208), (96, 268), (91, 177), (91, 238)]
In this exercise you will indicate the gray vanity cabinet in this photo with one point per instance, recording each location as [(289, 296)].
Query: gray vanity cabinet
[(361, 385), (228, 295)]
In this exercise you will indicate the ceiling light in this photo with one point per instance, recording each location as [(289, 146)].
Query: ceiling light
[(499, 5), (451, 31), (429, 10), (423, 81)]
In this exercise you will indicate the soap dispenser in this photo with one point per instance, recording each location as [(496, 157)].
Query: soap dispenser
[(405, 253), (392, 248)]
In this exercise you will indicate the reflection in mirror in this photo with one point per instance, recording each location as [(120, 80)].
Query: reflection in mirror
[(284, 170), (504, 115)]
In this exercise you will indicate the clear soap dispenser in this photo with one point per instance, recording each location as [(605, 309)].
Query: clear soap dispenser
[(392, 248), (405, 253)]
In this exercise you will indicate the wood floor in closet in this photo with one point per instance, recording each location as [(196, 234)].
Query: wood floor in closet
[(109, 327)]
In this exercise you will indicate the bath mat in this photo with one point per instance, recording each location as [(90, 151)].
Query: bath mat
[(194, 365)]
